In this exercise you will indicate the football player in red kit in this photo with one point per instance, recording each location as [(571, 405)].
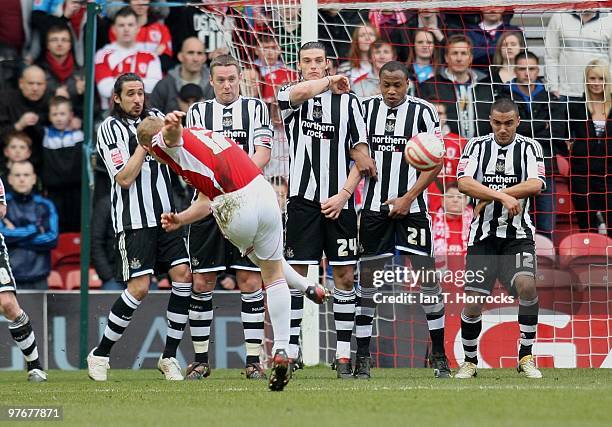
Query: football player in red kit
[(244, 205)]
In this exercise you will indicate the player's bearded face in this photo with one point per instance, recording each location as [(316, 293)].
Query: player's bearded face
[(504, 126), (132, 98), (313, 64)]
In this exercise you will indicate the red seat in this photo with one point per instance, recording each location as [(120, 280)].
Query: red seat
[(73, 279), (68, 248), (563, 166), (584, 248), (564, 199), (545, 251), (551, 278), (594, 275), (55, 281), (164, 284)]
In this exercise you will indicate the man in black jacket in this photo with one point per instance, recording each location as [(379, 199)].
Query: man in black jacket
[(459, 88), (543, 118), (26, 109), (104, 246)]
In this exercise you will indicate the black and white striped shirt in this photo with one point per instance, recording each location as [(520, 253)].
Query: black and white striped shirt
[(500, 167), (150, 194), (389, 129), (321, 133), (246, 121)]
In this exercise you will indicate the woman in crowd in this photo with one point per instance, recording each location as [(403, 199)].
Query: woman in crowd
[(424, 56), (509, 45), (591, 152), (358, 64)]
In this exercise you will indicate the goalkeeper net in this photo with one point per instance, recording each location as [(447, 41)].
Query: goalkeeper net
[(562, 38)]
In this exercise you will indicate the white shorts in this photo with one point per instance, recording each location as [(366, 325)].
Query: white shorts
[(250, 218)]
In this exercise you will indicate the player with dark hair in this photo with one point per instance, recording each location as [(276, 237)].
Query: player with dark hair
[(325, 128), (501, 171), (395, 215), (140, 193)]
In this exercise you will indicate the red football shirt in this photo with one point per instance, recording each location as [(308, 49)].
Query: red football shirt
[(151, 36), (454, 145), (450, 237), (209, 161)]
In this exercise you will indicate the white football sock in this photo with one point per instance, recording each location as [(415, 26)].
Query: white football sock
[(279, 310)]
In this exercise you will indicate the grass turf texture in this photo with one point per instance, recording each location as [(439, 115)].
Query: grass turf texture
[(406, 397)]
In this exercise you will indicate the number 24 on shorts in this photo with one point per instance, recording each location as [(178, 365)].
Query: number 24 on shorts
[(343, 244)]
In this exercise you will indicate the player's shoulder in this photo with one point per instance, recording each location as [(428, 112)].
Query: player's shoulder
[(526, 140), (111, 130), (422, 102), (200, 104), (109, 122), (251, 99), (155, 113), (479, 140), (529, 142), (371, 100)]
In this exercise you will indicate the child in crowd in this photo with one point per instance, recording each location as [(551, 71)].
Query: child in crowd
[(17, 148), (61, 172)]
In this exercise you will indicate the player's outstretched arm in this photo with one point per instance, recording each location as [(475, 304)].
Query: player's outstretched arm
[(308, 89), (469, 186), (198, 210)]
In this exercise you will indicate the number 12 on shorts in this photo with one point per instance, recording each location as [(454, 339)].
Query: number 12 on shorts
[(343, 244), (524, 259)]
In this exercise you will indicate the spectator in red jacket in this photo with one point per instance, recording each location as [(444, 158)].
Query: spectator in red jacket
[(450, 230), (153, 34), (125, 55), (454, 145)]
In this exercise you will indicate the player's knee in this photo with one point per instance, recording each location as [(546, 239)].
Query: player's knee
[(473, 308), (526, 287), (181, 273), (139, 286), (9, 307), (204, 282), (248, 281), (343, 277)]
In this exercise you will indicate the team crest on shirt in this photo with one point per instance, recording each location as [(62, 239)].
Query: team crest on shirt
[(195, 262), (317, 110), (390, 123), (135, 264), (227, 122), (500, 166)]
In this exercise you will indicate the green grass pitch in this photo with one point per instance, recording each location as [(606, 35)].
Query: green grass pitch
[(314, 397)]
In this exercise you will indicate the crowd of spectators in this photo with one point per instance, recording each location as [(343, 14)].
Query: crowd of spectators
[(460, 62)]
